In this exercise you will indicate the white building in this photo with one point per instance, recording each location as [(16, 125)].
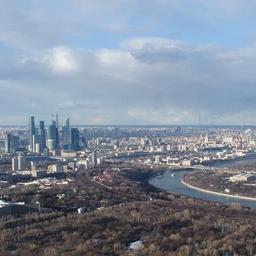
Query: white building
[(186, 163), (15, 164), (241, 177), (157, 159), (21, 163)]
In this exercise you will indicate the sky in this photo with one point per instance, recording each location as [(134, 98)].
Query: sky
[(128, 62)]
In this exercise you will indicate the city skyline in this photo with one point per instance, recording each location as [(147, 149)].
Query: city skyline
[(128, 127), (129, 62)]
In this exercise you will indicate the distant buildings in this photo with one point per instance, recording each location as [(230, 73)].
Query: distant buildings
[(21, 162), (14, 164), (37, 136), (186, 163), (12, 143), (241, 177), (66, 135), (93, 159), (42, 136), (54, 168), (18, 163), (52, 136), (32, 132), (40, 140), (75, 139)]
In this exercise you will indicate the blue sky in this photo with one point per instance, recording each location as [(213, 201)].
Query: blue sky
[(128, 62)]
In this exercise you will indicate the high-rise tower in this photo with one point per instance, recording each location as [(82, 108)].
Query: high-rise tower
[(32, 132), (52, 136), (41, 133), (66, 135), (75, 139)]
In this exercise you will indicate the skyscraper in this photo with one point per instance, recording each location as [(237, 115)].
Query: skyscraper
[(12, 142), (41, 133), (66, 140), (67, 122), (52, 136), (8, 143), (32, 131), (15, 164), (21, 162), (75, 139)]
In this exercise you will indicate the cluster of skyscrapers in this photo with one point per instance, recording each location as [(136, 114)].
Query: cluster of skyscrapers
[(37, 136), (54, 138), (44, 140)]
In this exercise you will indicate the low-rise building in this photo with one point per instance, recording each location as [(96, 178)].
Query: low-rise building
[(241, 177)]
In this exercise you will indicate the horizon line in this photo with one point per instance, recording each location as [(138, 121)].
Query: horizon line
[(143, 125)]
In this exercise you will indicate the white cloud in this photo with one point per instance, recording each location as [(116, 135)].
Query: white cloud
[(65, 57), (152, 43), (135, 85), (114, 57), (62, 60), (106, 61)]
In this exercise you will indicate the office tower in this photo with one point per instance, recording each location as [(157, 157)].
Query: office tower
[(68, 122), (34, 142), (15, 164), (56, 133), (21, 162), (38, 148), (84, 143), (52, 136), (66, 135), (32, 131), (12, 142), (51, 144), (42, 137), (75, 139), (8, 143)]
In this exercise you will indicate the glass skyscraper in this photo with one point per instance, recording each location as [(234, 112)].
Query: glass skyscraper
[(66, 140), (32, 132), (75, 139)]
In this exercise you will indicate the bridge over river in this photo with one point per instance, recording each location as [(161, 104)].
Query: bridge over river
[(203, 168)]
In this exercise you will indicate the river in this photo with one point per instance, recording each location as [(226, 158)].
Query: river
[(166, 181)]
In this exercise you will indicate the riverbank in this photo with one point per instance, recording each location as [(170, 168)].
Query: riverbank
[(217, 193)]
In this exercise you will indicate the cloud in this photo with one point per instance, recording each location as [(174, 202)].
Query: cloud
[(45, 24), (120, 61), (62, 60), (154, 80)]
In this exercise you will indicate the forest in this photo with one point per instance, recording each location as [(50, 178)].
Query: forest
[(132, 210)]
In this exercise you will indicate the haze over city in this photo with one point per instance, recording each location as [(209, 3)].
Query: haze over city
[(128, 62)]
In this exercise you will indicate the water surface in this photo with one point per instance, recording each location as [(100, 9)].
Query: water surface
[(166, 181)]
